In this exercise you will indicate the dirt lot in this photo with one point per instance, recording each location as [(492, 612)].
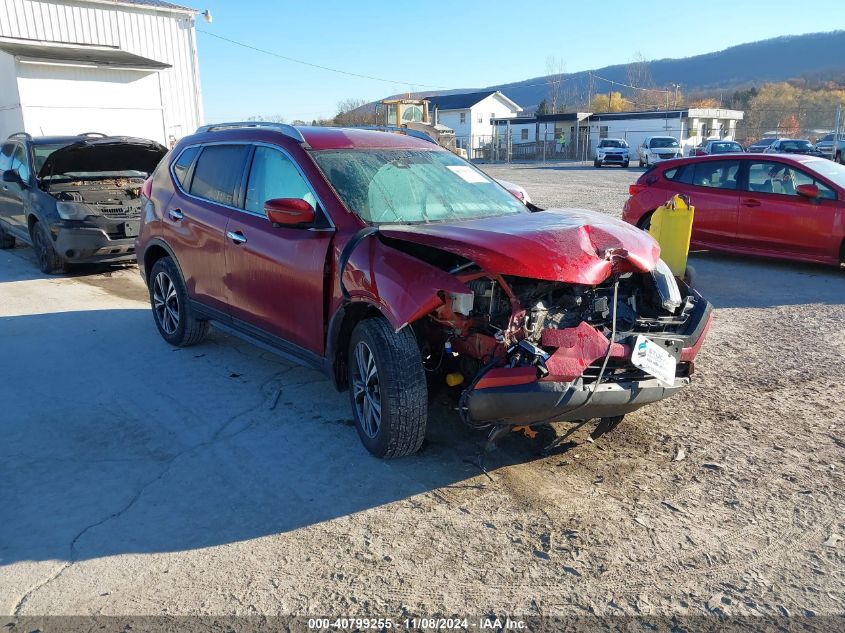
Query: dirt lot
[(139, 479)]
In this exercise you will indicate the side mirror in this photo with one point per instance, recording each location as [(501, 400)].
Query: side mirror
[(10, 175), (808, 191), (289, 211)]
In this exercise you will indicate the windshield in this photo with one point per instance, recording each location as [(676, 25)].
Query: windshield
[(792, 146), (717, 148), (403, 186), (612, 143), (827, 168), (663, 142)]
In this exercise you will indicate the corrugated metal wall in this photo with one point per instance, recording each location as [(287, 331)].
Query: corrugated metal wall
[(165, 36)]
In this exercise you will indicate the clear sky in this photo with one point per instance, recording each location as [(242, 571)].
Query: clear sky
[(434, 44)]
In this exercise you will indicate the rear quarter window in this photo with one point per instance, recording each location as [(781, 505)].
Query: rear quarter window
[(218, 172), (182, 166)]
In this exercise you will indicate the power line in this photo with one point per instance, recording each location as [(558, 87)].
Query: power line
[(312, 65)]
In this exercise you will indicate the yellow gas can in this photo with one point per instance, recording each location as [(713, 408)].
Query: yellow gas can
[(671, 226)]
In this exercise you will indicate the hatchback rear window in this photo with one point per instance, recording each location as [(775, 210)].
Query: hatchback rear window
[(218, 172)]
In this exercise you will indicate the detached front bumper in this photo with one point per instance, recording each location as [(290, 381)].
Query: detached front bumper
[(93, 244), (555, 401)]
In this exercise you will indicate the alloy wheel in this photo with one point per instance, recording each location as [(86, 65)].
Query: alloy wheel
[(41, 247), (365, 389), (166, 303)]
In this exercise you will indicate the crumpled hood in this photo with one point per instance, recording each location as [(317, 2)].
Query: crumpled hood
[(111, 153), (567, 245)]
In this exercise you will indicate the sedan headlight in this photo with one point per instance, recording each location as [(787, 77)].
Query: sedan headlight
[(75, 210), (667, 286)]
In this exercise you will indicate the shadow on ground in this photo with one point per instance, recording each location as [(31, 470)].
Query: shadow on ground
[(115, 442)]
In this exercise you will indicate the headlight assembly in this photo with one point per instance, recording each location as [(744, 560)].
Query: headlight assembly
[(74, 210), (667, 286)]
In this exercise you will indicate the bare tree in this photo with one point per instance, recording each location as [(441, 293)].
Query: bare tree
[(354, 111), (639, 75), (555, 72), (271, 118)]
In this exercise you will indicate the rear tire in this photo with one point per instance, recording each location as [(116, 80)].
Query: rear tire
[(6, 240), (387, 388), (172, 311), (645, 222), (49, 261)]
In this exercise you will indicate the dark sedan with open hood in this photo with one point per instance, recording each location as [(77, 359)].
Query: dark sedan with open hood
[(76, 199)]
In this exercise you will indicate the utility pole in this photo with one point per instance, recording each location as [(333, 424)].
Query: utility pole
[(835, 143), (675, 101)]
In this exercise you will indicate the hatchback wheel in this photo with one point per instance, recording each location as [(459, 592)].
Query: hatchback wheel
[(387, 388), (49, 261), (171, 310)]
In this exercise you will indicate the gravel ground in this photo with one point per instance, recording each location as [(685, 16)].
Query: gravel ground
[(139, 479)]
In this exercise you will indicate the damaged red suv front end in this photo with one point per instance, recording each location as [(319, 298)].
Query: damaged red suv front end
[(522, 307)]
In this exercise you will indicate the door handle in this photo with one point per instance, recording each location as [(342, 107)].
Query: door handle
[(175, 214), (236, 236), (751, 203)]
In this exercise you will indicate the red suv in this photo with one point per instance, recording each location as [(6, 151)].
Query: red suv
[(398, 268), (790, 207)]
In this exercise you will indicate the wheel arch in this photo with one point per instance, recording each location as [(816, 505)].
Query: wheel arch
[(842, 252), (154, 251), (339, 333)]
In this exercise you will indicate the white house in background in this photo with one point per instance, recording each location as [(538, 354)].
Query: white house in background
[(470, 114), (124, 67), (582, 131)]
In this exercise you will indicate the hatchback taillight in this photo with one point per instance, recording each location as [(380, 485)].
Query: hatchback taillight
[(700, 152), (147, 188), (635, 189)]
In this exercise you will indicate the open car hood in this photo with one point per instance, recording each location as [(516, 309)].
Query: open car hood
[(568, 245), (111, 153)]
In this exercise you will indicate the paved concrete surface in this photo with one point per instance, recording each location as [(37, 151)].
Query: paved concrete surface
[(140, 479)]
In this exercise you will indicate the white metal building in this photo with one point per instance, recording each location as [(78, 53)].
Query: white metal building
[(470, 114), (125, 67), (575, 134)]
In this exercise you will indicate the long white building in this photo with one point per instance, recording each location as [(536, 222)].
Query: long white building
[(124, 67)]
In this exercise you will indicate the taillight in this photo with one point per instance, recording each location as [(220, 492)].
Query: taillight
[(700, 152), (147, 188), (635, 189)]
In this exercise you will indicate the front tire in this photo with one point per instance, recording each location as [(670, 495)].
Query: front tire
[(171, 310), (49, 261), (387, 388), (645, 222), (6, 240), (625, 164), (596, 163)]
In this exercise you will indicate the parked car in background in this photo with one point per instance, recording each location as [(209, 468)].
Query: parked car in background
[(825, 145), (612, 151), (392, 264), (792, 146), (658, 148), (774, 205), (760, 145), (716, 146), (75, 199)]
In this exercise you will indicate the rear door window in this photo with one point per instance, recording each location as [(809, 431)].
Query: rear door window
[(218, 173), (719, 174), (182, 166)]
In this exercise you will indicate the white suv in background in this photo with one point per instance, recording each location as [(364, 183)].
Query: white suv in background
[(657, 148), (611, 151)]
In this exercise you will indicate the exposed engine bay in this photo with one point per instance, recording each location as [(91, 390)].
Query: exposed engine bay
[(109, 197)]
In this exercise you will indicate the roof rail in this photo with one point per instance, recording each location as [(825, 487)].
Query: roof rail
[(397, 130), (22, 135), (288, 130), (100, 134)]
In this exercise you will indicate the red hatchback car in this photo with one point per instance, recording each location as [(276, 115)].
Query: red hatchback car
[(398, 268), (790, 207)]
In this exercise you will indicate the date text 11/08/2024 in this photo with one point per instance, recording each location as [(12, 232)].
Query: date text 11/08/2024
[(413, 624)]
